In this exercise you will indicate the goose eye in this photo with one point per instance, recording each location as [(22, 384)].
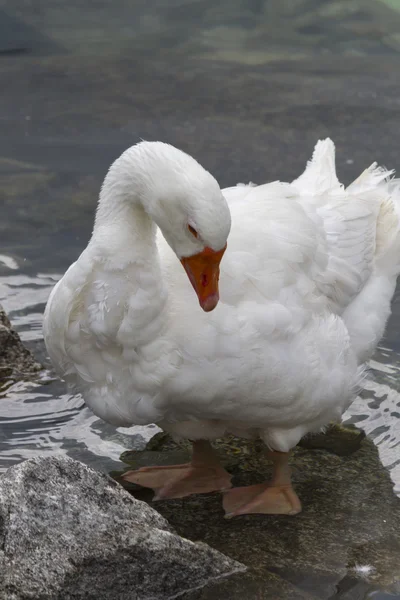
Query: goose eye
[(193, 231)]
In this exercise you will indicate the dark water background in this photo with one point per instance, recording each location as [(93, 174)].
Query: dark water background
[(247, 87)]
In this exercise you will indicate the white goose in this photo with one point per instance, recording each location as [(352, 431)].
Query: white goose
[(306, 283)]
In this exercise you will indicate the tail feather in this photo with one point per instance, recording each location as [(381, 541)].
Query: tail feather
[(378, 181), (374, 192), (320, 174), (370, 179), (387, 251)]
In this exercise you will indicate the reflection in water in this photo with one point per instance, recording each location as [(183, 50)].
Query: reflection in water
[(23, 297), (377, 411), (38, 419)]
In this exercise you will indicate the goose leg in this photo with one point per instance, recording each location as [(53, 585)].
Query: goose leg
[(274, 498), (202, 475)]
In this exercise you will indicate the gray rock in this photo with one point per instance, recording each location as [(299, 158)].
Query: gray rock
[(14, 357), (67, 531)]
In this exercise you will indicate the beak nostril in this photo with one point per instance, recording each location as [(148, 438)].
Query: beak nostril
[(204, 280)]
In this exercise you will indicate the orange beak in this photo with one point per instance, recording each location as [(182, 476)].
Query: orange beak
[(203, 272)]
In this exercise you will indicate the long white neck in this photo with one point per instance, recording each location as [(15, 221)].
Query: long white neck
[(123, 231), (123, 242)]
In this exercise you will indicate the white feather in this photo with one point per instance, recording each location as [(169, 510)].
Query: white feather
[(306, 285)]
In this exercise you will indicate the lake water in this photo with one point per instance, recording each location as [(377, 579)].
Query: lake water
[(246, 87)]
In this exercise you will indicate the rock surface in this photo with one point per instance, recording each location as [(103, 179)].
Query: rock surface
[(350, 520), (14, 357), (67, 531)]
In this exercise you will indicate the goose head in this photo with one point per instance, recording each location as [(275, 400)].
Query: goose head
[(187, 204)]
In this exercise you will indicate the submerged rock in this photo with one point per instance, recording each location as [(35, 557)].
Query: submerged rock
[(67, 531), (15, 359)]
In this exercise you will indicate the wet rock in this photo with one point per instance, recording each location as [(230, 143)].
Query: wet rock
[(67, 531), (344, 544), (339, 440), (15, 359)]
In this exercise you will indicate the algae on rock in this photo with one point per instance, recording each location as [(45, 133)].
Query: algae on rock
[(16, 361)]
